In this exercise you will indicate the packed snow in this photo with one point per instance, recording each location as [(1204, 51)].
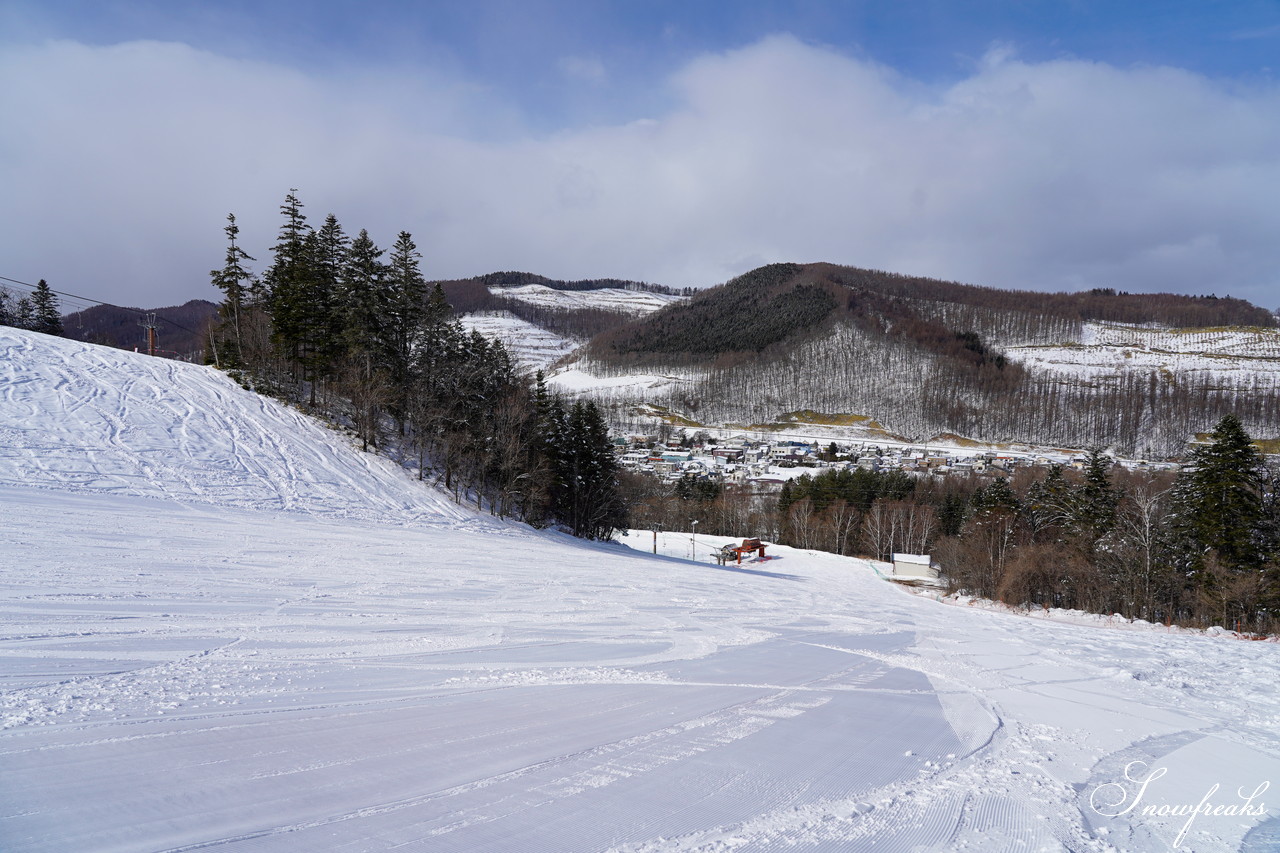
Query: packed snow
[(223, 627)]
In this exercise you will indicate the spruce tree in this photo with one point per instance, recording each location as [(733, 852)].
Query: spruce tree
[(287, 280), (406, 308), (591, 503), (996, 496), (45, 316), (952, 513), (1218, 500), (235, 281), (1098, 500), (363, 298), (322, 319)]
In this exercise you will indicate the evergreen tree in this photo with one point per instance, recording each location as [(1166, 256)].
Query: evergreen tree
[(364, 298), (988, 539), (406, 308), (45, 316), (324, 316), (591, 504), (786, 498), (235, 281), (691, 487), (1219, 498), (951, 514), (288, 281), (23, 313), (1095, 511), (996, 496), (1051, 504)]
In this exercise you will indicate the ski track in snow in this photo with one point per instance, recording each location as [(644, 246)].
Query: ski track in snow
[(224, 628)]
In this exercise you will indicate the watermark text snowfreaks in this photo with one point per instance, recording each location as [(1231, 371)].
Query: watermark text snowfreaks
[(1114, 799)]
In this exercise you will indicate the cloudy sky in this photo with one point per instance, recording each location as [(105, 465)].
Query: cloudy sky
[(1038, 144)]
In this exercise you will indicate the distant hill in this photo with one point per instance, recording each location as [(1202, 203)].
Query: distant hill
[(179, 328), (542, 320), (779, 302), (925, 356), (571, 312)]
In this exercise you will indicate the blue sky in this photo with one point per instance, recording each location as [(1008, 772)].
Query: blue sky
[(1045, 145), (519, 47)]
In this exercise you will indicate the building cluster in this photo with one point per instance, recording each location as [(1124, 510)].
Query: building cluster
[(744, 459)]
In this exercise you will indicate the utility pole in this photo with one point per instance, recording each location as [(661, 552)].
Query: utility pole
[(148, 322)]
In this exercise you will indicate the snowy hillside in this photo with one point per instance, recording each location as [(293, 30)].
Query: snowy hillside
[(533, 347), (221, 627), (1107, 351), (537, 348), (85, 418), (606, 299)]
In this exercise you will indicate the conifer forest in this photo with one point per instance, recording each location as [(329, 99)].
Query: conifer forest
[(353, 333)]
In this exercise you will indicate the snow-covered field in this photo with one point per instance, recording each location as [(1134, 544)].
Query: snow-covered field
[(221, 627), (536, 348), (605, 299), (1108, 351), (532, 347), (573, 380)]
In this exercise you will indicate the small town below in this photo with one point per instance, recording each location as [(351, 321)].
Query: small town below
[(741, 459)]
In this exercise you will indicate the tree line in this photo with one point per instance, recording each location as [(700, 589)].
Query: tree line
[(369, 344), (38, 312), (1198, 548), (511, 278)]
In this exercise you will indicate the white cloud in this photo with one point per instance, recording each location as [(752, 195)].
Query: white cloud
[(587, 68), (124, 161)]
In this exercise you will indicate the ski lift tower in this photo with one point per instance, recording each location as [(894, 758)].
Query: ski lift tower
[(148, 322)]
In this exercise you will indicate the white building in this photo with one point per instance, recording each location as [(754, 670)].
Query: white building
[(916, 567)]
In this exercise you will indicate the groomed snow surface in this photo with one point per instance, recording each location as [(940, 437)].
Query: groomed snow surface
[(221, 627)]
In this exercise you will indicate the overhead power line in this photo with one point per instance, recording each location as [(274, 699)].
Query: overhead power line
[(139, 312)]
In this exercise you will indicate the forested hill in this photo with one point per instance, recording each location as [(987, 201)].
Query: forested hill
[(1137, 372), (582, 310), (784, 302), (180, 329)]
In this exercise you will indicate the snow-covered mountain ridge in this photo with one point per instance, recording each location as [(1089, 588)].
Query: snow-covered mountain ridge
[(223, 627)]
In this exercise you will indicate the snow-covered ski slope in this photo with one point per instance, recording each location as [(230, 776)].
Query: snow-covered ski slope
[(85, 418), (222, 628)]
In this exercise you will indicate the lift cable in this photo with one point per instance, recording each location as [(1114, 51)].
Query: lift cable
[(99, 302)]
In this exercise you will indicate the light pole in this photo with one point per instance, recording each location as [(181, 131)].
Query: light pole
[(693, 554)]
